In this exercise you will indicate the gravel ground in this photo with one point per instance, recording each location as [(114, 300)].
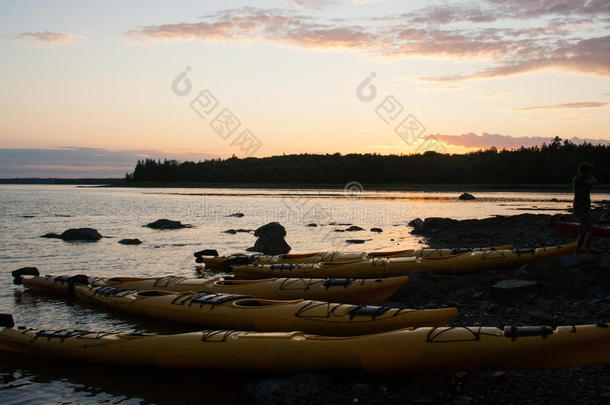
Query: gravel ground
[(570, 290)]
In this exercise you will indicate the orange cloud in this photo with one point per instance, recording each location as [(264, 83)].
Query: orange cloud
[(253, 23), (46, 37)]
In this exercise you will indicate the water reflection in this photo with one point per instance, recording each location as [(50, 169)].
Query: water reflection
[(25, 380)]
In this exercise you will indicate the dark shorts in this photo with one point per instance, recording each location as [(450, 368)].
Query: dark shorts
[(584, 216)]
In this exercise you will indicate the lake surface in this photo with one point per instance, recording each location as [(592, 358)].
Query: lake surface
[(30, 211)]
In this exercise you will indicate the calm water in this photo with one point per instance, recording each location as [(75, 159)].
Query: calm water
[(30, 211)]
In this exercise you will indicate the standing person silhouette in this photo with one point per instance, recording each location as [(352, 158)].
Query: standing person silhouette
[(582, 184)]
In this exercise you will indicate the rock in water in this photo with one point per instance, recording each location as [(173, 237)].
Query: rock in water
[(466, 196), (134, 241), (236, 215), (167, 224), (270, 229), (312, 225), (73, 234), (378, 230), (354, 228), (270, 240), (81, 234)]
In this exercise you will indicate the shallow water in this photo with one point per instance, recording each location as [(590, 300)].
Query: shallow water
[(30, 211)]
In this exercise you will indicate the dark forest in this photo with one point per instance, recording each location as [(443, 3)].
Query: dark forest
[(553, 163)]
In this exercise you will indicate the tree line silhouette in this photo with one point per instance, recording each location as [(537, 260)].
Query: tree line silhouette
[(553, 163)]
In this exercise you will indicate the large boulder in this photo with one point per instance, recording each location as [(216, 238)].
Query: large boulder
[(167, 224), (74, 234), (270, 240)]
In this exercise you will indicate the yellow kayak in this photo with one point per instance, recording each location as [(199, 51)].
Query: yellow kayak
[(400, 351), (227, 262), (348, 291), (470, 262), (243, 312)]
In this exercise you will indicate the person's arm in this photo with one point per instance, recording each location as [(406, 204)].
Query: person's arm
[(591, 180)]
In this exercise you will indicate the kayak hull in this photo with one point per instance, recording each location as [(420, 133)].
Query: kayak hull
[(241, 312), (349, 291), (386, 267), (401, 351), (225, 263)]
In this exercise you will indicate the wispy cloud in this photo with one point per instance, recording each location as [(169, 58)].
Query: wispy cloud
[(486, 140), (81, 162), (314, 4), (45, 37), (452, 87), (565, 106), (492, 95), (572, 35)]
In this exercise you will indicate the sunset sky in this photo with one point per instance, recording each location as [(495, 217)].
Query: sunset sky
[(90, 87)]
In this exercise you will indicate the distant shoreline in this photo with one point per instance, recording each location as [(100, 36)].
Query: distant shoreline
[(604, 188), (118, 183)]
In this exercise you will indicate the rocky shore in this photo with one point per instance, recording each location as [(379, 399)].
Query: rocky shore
[(566, 291)]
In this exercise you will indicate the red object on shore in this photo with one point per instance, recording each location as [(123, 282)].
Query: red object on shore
[(572, 228)]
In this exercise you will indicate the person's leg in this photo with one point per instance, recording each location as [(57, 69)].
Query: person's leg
[(582, 229), (579, 240), (587, 223), (587, 241)]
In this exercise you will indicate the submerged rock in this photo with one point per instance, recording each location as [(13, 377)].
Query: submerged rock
[(355, 241), (312, 225), (236, 215), (167, 224), (75, 234), (270, 240), (234, 231), (134, 241)]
